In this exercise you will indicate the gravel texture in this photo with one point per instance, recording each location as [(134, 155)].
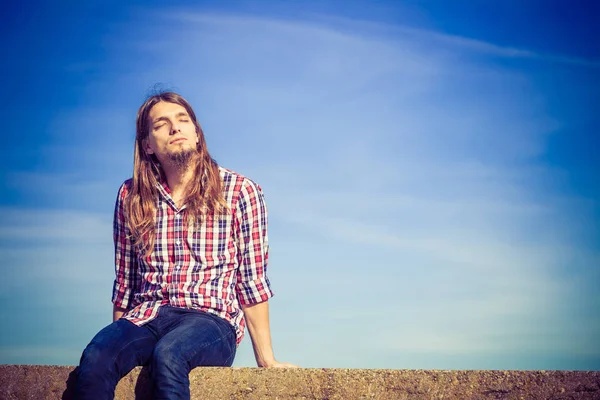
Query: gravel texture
[(52, 382)]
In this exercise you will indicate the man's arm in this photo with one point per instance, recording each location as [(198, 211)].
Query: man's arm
[(257, 320), (252, 288), (125, 260)]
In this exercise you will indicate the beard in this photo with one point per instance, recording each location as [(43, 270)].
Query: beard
[(181, 159)]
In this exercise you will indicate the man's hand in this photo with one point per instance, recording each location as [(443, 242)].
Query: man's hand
[(278, 364), (257, 320)]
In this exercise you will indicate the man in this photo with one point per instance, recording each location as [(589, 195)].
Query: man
[(191, 253)]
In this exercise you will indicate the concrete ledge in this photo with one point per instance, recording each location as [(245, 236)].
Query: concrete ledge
[(50, 382)]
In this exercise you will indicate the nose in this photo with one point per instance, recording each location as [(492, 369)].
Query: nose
[(175, 128)]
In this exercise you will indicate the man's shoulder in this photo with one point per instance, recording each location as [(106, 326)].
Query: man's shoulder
[(237, 186), (232, 178), (127, 184), (125, 187)]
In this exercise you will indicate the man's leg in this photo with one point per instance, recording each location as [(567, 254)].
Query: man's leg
[(111, 354), (195, 339)]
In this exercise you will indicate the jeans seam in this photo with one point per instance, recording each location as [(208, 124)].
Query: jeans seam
[(123, 347), (220, 339), (231, 356)]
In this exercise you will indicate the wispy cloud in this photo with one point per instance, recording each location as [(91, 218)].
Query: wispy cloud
[(33, 225), (487, 48), (57, 277), (439, 40)]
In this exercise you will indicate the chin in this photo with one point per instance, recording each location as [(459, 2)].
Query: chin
[(183, 155)]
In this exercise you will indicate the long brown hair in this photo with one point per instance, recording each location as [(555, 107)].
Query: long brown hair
[(205, 192)]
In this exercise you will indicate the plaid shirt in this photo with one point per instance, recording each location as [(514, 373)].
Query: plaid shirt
[(215, 269)]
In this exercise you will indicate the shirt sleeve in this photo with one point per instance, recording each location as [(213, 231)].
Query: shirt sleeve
[(125, 256), (253, 245)]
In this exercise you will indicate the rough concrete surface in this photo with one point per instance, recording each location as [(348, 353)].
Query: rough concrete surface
[(51, 382)]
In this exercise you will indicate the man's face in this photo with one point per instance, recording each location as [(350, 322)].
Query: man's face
[(172, 132)]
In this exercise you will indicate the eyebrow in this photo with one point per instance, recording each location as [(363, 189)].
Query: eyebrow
[(164, 118)]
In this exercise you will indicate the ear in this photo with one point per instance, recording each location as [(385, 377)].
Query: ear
[(147, 147)]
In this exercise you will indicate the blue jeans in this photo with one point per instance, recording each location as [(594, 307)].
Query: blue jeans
[(172, 344)]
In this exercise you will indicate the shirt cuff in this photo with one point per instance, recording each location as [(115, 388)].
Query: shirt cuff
[(253, 292), (121, 295)]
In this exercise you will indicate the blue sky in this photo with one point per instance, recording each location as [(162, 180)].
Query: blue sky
[(430, 168)]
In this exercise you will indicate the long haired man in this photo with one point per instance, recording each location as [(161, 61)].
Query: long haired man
[(191, 252)]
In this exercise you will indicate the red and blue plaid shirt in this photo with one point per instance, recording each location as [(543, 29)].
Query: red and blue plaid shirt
[(215, 268)]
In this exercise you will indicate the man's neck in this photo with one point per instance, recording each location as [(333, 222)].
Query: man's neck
[(178, 179)]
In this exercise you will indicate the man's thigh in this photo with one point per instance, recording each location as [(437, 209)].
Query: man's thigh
[(121, 345), (198, 339)]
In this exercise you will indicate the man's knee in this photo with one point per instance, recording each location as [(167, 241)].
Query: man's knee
[(97, 374), (168, 355), (96, 359), (105, 353)]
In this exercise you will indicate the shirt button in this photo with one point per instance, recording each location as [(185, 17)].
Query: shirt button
[(178, 242), (177, 216)]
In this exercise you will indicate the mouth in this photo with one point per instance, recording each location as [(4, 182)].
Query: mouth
[(177, 140)]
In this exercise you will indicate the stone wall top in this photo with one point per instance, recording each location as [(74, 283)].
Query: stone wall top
[(53, 382)]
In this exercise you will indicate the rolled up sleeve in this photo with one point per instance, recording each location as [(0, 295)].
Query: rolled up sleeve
[(252, 283), (125, 256)]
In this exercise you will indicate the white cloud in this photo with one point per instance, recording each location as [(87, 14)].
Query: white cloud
[(58, 249), (487, 271), (33, 225)]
